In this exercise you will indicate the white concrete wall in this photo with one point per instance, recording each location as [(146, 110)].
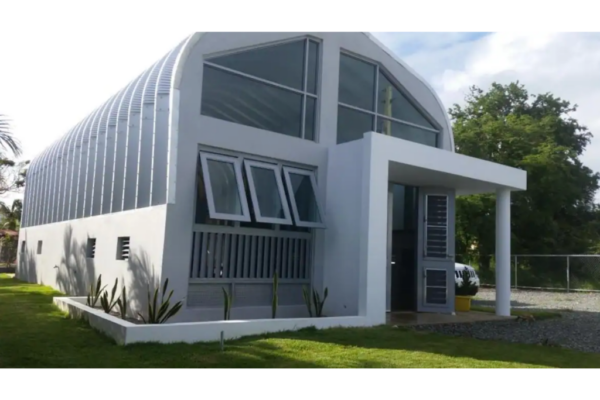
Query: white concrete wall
[(342, 237), (190, 129), (124, 332), (64, 266)]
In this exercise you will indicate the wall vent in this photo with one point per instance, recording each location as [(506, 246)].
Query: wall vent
[(123, 248), (91, 248), (39, 247)]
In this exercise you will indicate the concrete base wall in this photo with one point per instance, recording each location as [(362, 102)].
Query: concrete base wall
[(124, 332), (63, 263)]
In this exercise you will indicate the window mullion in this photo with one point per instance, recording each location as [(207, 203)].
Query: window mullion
[(376, 100), (304, 84)]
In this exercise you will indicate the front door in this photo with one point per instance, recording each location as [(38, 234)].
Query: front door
[(436, 251)]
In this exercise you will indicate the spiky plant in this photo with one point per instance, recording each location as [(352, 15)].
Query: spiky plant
[(95, 292), (106, 303), (122, 303), (307, 300), (319, 303), (160, 313), (275, 300), (227, 300)]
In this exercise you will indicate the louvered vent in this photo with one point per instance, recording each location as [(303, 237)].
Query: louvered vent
[(436, 226), (39, 246), (91, 248), (123, 248)]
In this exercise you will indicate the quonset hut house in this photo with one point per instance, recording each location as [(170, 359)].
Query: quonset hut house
[(319, 156)]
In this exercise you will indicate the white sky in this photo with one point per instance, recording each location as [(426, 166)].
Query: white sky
[(60, 60)]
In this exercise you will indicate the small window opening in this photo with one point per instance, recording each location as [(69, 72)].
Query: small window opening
[(39, 247)]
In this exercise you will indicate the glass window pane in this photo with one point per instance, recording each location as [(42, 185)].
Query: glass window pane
[(406, 132), (310, 118), (313, 67), (283, 64), (224, 187), (392, 103), (305, 199), (352, 124), (267, 192), (244, 101), (357, 83)]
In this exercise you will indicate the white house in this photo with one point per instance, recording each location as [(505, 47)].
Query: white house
[(317, 155)]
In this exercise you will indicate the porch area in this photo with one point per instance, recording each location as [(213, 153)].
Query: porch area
[(369, 168)]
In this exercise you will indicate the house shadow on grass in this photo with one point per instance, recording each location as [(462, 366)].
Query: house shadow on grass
[(390, 339)]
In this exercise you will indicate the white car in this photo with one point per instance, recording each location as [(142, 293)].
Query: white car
[(458, 274)]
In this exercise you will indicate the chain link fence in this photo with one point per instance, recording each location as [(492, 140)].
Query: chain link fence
[(573, 272)]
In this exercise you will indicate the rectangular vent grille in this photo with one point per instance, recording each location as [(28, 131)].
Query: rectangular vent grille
[(123, 248), (39, 247), (436, 226), (91, 248)]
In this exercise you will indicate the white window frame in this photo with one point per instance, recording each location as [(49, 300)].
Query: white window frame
[(287, 220), (307, 224), (237, 166)]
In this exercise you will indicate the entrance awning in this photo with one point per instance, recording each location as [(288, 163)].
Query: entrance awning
[(418, 165)]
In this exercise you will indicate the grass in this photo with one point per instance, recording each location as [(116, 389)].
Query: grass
[(537, 314), (33, 333)]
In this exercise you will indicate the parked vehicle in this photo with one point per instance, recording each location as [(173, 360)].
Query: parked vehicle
[(458, 274)]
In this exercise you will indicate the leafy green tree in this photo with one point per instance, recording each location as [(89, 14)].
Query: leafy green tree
[(10, 217), (12, 173), (7, 139), (536, 133)]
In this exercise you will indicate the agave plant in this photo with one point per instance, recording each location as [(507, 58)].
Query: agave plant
[(319, 303), (159, 313), (307, 300), (122, 303), (108, 305), (227, 305), (275, 300), (95, 292)]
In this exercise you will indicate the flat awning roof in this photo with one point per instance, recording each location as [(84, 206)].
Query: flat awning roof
[(414, 164)]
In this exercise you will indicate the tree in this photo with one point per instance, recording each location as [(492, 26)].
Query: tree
[(12, 173), (536, 133), (7, 139), (11, 216)]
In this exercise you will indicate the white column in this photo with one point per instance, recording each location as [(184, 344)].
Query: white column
[(503, 252)]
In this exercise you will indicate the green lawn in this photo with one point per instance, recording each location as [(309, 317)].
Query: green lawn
[(33, 333)]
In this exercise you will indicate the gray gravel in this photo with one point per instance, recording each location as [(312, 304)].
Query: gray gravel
[(532, 299), (578, 329)]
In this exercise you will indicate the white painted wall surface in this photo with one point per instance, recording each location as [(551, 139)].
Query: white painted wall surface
[(342, 236), (64, 266)]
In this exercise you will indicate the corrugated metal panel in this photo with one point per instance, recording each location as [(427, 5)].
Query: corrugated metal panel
[(82, 173)]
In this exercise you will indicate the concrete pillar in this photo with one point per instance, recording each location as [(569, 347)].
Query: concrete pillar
[(503, 252)]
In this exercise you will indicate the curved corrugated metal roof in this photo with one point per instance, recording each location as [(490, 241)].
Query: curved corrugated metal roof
[(75, 176), (95, 167)]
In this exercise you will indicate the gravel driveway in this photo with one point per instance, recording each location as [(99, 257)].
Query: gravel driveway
[(578, 329)]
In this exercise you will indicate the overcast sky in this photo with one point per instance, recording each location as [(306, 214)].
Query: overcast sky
[(54, 75)]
